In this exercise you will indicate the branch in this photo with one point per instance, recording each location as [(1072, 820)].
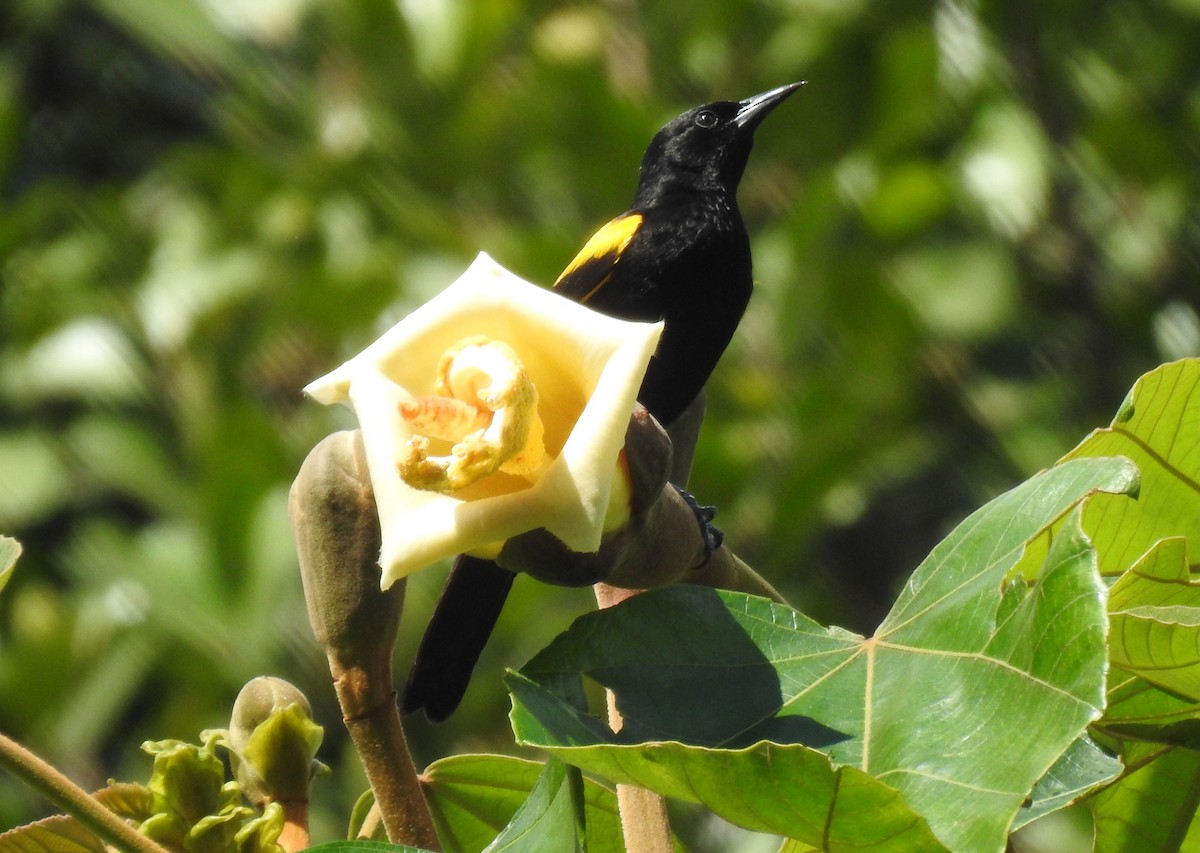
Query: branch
[(64, 793)]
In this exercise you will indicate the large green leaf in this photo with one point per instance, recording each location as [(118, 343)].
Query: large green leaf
[(788, 789), (1149, 543), (1158, 427), (474, 797), (782, 725)]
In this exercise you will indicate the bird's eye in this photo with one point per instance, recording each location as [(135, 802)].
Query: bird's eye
[(706, 119)]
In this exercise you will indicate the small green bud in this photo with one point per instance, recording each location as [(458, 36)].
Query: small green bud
[(273, 742)]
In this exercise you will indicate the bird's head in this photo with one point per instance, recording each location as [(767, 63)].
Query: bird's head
[(707, 147)]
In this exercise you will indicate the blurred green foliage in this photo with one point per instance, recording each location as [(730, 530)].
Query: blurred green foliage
[(972, 231)]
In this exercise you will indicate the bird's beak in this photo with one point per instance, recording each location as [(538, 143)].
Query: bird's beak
[(755, 108)]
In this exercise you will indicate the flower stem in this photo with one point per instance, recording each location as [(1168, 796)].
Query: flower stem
[(379, 741), (294, 836), (65, 794), (644, 821)]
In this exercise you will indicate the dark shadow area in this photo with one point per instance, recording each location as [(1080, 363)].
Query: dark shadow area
[(697, 675)]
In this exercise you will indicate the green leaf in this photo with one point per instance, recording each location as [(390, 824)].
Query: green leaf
[(261, 834), (473, 797), (64, 834), (1154, 806), (1077, 771), (10, 550), (917, 721), (1154, 612), (58, 834), (1158, 429), (1149, 545), (551, 819), (358, 817), (188, 781), (792, 845), (363, 847), (128, 799), (1139, 710), (785, 789)]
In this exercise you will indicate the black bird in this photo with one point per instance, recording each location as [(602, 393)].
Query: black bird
[(681, 255)]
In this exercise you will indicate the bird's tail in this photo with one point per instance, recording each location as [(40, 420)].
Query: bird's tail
[(463, 620)]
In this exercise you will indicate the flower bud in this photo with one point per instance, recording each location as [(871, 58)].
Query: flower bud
[(273, 741), (332, 510)]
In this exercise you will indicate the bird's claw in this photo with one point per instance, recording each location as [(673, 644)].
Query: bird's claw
[(711, 535)]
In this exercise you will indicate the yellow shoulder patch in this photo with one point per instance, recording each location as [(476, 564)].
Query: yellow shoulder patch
[(611, 239)]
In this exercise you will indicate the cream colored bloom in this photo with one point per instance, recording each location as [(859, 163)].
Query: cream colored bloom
[(504, 407)]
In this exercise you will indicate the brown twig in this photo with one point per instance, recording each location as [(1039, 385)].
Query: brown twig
[(65, 794)]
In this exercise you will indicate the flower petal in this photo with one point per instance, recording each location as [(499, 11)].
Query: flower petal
[(587, 368)]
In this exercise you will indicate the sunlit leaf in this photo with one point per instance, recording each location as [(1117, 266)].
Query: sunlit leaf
[(1154, 610), (128, 799), (1150, 543), (58, 834), (1140, 710), (64, 834), (1158, 428), (916, 720), (787, 789)]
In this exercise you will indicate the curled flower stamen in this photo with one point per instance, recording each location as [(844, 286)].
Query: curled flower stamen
[(443, 417), (487, 406)]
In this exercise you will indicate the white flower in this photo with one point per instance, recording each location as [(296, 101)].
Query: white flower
[(504, 406)]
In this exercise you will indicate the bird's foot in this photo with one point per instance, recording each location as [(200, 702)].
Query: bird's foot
[(711, 535)]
